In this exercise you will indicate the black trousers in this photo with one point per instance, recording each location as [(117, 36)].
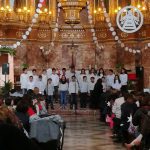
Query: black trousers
[(83, 100), (73, 100), (56, 93)]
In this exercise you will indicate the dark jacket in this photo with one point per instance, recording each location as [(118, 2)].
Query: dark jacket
[(12, 138), (141, 119), (127, 109)]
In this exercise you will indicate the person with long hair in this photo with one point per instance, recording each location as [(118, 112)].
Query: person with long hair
[(124, 79), (63, 88), (117, 83)]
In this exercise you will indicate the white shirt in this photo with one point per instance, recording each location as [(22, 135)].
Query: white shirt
[(70, 74), (73, 87), (92, 75), (50, 89), (41, 86), (55, 79), (49, 72), (116, 85), (35, 78), (91, 86), (44, 79), (124, 79), (63, 87), (116, 108), (104, 86), (24, 78), (30, 85), (110, 80), (84, 87)]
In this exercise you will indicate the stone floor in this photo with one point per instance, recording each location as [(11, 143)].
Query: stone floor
[(87, 133)]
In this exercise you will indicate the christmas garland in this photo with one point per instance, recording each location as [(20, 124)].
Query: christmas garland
[(6, 49)]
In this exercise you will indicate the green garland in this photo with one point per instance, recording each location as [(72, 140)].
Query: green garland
[(7, 50)]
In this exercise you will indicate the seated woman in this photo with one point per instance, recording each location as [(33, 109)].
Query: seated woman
[(11, 135)]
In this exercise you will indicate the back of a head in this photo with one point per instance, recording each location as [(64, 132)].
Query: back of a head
[(8, 101)]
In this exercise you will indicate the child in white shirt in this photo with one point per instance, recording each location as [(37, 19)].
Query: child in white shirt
[(84, 92), (73, 91), (50, 92), (24, 80)]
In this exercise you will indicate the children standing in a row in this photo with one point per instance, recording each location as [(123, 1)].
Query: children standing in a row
[(65, 82)]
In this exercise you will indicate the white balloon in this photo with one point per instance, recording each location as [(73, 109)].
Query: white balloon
[(96, 42), (52, 44), (116, 38), (33, 20), (38, 10), (108, 20), (18, 43), (59, 4), (90, 17), (122, 45), (130, 50), (41, 1), (58, 10), (24, 37), (39, 5), (106, 14), (94, 38), (109, 24), (111, 28), (88, 7), (57, 25), (138, 51), (148, 44), (15, 45), (90, 21), (114, 33), (134, 51), (126, 48), (27, 32), (56, 29), (92, 30), (104, 9), (36, 15), (29, 29), (120, 42)]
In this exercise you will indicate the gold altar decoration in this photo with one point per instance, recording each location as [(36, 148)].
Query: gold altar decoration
[(72, 10)]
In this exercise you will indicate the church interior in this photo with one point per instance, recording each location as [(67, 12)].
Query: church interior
[(89, 61)]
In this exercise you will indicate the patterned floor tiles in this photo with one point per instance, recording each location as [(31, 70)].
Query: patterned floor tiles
[(87, 133)]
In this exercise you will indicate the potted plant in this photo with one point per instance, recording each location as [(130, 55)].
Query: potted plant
[(6, 88)]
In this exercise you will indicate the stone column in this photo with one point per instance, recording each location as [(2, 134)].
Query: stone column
[(11, 68), (53, 10)]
